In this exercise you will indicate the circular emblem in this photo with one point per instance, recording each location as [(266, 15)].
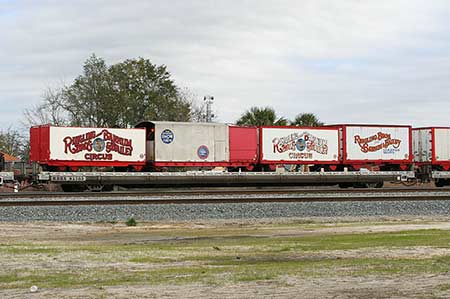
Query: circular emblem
[(98, 144), (167, 136), (300, 145), (203, 152)]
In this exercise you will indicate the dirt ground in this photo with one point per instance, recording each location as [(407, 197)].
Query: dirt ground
[(331, 286), (311, 288)]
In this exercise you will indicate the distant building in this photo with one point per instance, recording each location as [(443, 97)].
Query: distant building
[(7, 162), (8, 158)]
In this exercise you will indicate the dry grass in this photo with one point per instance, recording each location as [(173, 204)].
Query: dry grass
[(96, 257)]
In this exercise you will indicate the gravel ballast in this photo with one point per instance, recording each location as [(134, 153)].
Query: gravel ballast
[(176, 212)]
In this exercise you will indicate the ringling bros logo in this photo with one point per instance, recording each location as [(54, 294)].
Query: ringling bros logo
[(98, 146), (297, 143), (383, 142)]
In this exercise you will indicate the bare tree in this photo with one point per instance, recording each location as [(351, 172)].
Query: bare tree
[(11, 142), (51, 111), (198, 107)]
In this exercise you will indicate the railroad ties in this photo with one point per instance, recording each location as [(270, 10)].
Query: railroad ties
[(224, 195)]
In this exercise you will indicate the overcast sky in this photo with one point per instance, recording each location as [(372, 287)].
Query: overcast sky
[(346, 61)]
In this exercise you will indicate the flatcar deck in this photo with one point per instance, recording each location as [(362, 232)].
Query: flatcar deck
[(201, 178)]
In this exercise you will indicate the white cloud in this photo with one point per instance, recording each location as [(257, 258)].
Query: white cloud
[(347, 61)]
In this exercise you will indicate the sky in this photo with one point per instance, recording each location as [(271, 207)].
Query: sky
[(353, 61)]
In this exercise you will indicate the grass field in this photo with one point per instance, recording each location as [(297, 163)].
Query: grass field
[(113, 255)]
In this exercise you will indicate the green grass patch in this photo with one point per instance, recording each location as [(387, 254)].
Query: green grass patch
[(151, 259), (29, 249), (107, 277), (444, 287), (436, 238)]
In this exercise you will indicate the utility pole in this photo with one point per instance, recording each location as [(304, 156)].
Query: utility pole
[(209, 101)]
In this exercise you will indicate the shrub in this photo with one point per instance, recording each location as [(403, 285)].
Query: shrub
[(131, 222)]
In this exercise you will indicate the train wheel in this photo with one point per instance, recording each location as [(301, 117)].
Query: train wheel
[(94, 188), (375, 185), (345, 185), (72, 188), (440, 182)]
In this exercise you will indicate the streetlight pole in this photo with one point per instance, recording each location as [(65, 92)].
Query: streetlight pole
[(209, 115)]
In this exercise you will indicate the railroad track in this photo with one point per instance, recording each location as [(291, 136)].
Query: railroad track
[(217, 190), (222, 195)]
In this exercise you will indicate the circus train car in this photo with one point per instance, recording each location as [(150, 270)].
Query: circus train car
[(376, 147), (200, 146), (166, 146), (299, 148), (431, 147), (69, 148)]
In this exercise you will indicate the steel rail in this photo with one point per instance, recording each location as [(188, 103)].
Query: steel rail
[(215, 191), (234, 198)]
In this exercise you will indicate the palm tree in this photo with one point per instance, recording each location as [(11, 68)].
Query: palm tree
[(256, 116), (306, 120)]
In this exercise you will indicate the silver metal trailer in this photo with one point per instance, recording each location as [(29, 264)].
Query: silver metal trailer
[(188, 142), (432, 145)]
